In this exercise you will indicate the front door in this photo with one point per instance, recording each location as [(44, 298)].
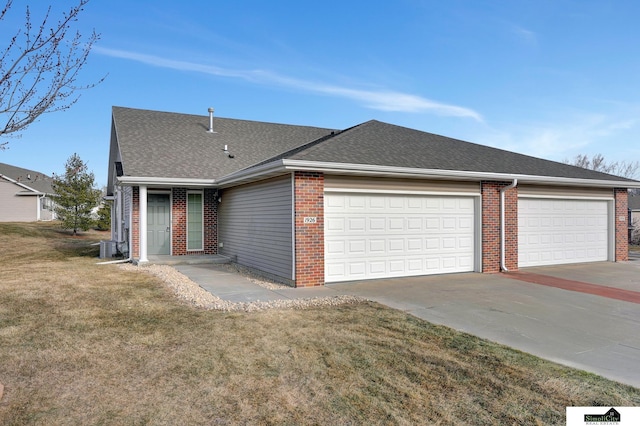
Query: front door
[(158, 224)]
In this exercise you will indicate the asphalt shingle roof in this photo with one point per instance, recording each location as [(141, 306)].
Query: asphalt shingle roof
[(171, 145), (383, 144), (162, 144), (38, 181)]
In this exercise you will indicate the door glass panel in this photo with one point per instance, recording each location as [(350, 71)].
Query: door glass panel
[(194, 221)]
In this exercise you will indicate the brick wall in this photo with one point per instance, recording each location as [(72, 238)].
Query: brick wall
[(491, 227), (309, 237), (135, 223), (210, 221), (179, 223), (622, 226)]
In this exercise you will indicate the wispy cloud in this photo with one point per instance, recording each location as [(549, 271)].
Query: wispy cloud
[(579, 134), (383, 100), (528, 36)]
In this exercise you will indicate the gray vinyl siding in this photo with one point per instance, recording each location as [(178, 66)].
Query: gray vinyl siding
[(255, 226), (15, 208)]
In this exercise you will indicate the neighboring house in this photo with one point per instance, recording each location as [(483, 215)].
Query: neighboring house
[(310, 206), (25, 195), (634, 218)]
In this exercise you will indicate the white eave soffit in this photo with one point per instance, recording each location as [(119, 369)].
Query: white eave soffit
[(281, 166), (158, 181)]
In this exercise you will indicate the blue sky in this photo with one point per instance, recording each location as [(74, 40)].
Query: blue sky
[(549, 78)]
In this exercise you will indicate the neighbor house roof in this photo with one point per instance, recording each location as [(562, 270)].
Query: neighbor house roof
[(154, 144), (30, 180)]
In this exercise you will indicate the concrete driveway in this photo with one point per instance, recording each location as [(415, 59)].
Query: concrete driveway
[(583, 315)]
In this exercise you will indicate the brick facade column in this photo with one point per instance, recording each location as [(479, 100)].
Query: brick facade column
[(179, 221), (309, 237), (491, 240), (135, 223), (210, 221), (622, 225)]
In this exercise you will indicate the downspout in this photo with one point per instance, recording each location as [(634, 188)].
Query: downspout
[(112, 262), (503, 266)]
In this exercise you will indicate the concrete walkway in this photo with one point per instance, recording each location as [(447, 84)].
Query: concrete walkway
[(568, 317), (220, 281)]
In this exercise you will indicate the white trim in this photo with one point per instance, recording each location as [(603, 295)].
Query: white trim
[(293, 226), (477, 213), (476, 265), (569, 197), (405, 192), (201, 193), (141, 180), (611, 219), (142, 202), (283, 166), (371, 170), (22, 185), (168, 192)]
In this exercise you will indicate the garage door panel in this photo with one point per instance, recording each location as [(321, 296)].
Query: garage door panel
[(562, 231), (335, 224), (403, 236), (335, 248)]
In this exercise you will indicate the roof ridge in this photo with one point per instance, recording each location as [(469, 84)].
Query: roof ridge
[(13, 169), (295, 150), (307, 145), (146, 110)]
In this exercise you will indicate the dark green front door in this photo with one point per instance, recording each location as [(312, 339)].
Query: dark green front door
[(158, 224)]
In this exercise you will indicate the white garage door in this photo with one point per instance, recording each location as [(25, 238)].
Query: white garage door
[(555, 231), (383, 235)]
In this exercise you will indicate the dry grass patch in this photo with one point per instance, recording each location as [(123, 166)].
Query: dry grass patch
[(82, 343)]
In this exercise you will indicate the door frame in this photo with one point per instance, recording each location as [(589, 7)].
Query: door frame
[(170, 194), (477, 211), (611, 241)]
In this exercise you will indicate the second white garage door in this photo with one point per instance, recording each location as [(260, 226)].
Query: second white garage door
[(371, 236), (557, 231)]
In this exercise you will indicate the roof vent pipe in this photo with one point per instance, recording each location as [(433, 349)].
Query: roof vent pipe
[(210, 120)]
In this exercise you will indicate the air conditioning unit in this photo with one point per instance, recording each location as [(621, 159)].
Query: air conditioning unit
[(107, 249)]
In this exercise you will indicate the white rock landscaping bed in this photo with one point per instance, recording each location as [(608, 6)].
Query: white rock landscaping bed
[(191, 293)]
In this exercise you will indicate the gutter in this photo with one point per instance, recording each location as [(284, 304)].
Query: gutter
[(31, 190), (503, 250), (145, 180), (284, 166)]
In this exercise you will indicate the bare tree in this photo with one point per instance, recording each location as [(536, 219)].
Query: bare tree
[(39, 67), (597, 162)]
